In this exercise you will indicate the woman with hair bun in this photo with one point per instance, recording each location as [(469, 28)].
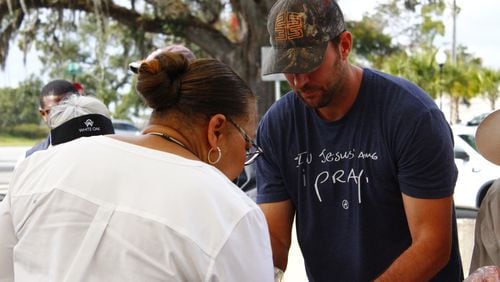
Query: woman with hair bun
[(156, 207)]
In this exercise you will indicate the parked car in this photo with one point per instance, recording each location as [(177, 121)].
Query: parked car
[(475, 173), (246, 181), (476, 120), (125, 127)]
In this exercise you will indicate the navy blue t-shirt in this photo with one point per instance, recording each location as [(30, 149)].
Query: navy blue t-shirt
[(345, 178)]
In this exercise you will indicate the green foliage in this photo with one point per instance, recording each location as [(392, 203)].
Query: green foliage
[(27, 130), (130, 103), (413, 25), (432, 24), (420, 22), (419, 69), (460, 80), (102, 54), (10, 140), (489, 85), (370, 43), (20, 105)]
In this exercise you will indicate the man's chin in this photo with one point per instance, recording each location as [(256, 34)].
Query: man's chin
[(309, 100), (311, 103)]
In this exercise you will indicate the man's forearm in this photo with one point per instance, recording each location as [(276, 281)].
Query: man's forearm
[(280, 253), (279, 218), (417, 263)]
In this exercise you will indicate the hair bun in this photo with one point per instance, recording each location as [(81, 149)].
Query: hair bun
[(150, 66), (159, 79)]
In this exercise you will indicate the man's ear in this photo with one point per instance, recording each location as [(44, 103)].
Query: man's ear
[(345, 44), (215, 128)]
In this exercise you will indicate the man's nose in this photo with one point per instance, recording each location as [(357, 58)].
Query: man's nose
[(299, 80)]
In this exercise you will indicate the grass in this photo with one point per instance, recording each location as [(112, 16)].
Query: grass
[(9, 140)]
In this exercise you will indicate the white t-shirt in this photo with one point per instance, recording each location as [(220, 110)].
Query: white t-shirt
[(98, 209)]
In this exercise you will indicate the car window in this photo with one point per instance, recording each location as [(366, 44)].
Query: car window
[(124, 126), (470, 139), (475, 121)]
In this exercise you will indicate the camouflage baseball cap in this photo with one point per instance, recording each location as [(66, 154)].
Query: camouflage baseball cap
[(299, 32)]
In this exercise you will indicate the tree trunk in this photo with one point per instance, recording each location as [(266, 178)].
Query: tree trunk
[(454, 112)]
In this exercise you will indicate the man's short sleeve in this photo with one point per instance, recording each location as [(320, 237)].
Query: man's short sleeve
[(269, 175), (426, 166)]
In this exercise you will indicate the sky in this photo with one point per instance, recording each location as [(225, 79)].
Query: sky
[(477, 28)]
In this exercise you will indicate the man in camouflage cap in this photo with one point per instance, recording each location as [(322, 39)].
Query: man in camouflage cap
[(300, 35), (362, 160)]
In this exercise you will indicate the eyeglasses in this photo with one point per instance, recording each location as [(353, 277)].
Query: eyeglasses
[(45, 111), (254, 151)]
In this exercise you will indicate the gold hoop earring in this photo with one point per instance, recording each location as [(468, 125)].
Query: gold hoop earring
[(218, 157)]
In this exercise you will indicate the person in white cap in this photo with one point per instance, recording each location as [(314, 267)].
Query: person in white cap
[(486, 250), (52, 93), (78, 116)]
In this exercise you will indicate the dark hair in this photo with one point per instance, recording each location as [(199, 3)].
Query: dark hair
[(57, 87), (200, 88), (336, 40)]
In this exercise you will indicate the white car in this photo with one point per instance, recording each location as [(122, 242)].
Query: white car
[(125, 127), (475, 173), (476, 120)]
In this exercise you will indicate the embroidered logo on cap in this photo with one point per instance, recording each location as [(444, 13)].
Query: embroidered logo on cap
[(89, 126), (289, 26), (88, 123)]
